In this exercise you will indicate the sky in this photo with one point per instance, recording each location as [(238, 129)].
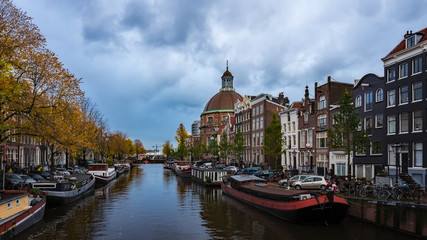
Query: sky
[(150, 65)]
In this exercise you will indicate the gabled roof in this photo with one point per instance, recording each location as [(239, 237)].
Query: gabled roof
[(402, 45)]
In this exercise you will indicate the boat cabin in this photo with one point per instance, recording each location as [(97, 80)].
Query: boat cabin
[(97, 167), (12, 203)]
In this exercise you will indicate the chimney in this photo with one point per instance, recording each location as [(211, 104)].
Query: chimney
[(281, 99), (329, 79)]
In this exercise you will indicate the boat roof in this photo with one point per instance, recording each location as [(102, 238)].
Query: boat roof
[(244, 178), (6, 196)]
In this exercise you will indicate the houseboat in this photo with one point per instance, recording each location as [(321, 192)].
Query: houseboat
[(304, 207), (19, 211), (64, 190), (102, 172), (208, 176)]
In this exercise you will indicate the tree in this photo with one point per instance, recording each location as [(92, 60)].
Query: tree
[(139, 147), (198, 150), (167, 149), (213, 148), (273, 143), (224, 147), (238, 145), (344, 132), (181, 137)]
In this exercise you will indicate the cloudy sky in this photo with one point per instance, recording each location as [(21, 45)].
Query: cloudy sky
[(150, 65)]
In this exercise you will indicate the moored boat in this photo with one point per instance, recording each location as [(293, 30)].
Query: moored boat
[(65, 190), (102, 172), (296, 206), (21, 211), (183, 171), (208, 176)]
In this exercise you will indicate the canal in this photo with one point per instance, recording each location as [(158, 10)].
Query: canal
[(153, 203)]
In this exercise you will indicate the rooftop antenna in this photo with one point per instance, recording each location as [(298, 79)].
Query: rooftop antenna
[(227, 65)]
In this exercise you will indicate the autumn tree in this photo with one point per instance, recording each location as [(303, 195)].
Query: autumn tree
[(344, 132), (273, 143), (198, 150), (181, 137), (139, 147), (167, 149)]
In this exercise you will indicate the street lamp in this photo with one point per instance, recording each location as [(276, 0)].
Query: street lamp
[(397, 148)]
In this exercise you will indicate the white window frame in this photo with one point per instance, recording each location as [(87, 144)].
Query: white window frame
[(418, 62), (391, 74), (378, 94), (371, 94), (377, 120), (420, 89), (401, 98), (390, 102), (403, 122), (389, 117), (419, 118), (371, 148), (358, 101), (418, 161), (403, 70)]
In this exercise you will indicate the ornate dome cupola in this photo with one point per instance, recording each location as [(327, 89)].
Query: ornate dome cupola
[(227, 81)]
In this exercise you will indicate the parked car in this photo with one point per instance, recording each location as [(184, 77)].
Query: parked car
[(220, 166), (233, 169), (45, 174), (27, 179), (14, 181), (288, 181), (36, 177), (62, 171), (249, 170), (311, 182)]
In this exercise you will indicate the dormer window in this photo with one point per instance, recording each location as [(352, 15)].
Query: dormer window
[(410, 41)]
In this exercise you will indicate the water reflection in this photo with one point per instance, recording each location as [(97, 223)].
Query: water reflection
[(152, 203)]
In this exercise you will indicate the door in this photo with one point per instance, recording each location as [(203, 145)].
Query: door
[(404, 157)]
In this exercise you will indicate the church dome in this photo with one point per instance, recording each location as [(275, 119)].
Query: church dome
[(222, 101)]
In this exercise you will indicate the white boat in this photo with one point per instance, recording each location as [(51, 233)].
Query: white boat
[(102, 172), (66, 190)]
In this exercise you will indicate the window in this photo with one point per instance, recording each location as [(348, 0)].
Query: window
[(410, 42), (417, 65), (303, 141), (294, 137), (305, 118), (262, 137), (403, 70), (379, 95), (379, 121), (261, 122), (376, 148), (368, 101), (391, 98), (293, 127), (18, 202), (322, 103), (321, 139), (403, 95), (368, 125), (417, 91), (358, 101), (257, 123), (284, 127), (224, 118), (391, 156), (9, 205), (310, 137), (418, 154), (253, 123), (210, 119), (391, 75), (391, 124), (404, 122), (418, 120), (321, 120)]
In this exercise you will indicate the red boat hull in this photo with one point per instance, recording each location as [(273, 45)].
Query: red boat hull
[(309, 211)]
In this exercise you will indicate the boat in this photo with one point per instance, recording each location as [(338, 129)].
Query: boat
[(20, 211), (103, 174), (63, 190), (183, 171), (208, 176), (297, 206)]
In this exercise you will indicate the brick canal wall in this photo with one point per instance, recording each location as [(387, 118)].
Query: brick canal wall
[(410, 218)]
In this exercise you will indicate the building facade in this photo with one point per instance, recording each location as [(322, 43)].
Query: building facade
[(289, 121)]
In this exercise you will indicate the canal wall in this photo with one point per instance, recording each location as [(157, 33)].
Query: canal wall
[(407, 217)]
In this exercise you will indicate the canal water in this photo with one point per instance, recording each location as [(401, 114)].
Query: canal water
[(152, 203)]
